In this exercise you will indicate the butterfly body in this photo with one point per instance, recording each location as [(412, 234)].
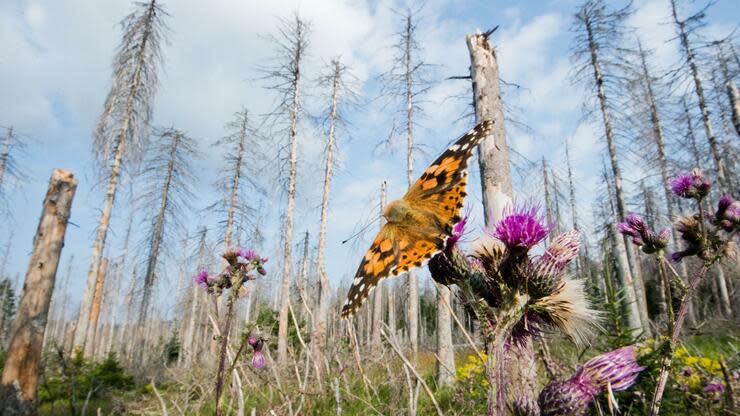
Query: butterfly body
[(419, 223)]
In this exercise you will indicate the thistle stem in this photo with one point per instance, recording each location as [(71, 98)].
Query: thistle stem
[(676, 331), (237, 283)]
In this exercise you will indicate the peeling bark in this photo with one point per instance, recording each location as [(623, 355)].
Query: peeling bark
[(20, 376)]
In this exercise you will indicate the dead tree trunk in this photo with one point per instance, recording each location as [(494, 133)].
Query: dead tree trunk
[(5, 154), (413, 279), (238, 160), (493, 154), (445, 347), (662, 158), (298, 32), (733, 95), (134, 105), (495, 172), (95, 310), (189, 341), (378, 299), (21, 372), (699, 90), (638, 286), (546, 185), (581, 265), (634, 320)]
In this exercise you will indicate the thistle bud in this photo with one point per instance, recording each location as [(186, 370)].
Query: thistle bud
[(617, 369)]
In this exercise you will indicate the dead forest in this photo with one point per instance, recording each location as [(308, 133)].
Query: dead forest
[(543, 226)]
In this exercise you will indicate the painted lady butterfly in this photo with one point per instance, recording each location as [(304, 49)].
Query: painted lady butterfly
[(419, 223)]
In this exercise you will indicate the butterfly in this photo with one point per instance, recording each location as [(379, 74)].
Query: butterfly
[(418, 224)]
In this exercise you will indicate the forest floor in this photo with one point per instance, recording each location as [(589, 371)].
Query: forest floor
[(106, 388)]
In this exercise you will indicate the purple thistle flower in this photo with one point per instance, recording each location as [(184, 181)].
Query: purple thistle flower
[(521, 229), (691, 185), (727, 216), (248, 255), (681, 185), (714, 388), (258, 358), (201, 279), (642, 236), (617, 369)]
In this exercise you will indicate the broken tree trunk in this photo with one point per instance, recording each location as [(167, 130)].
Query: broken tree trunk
[(493, 153), (21, 372), (495, 172)]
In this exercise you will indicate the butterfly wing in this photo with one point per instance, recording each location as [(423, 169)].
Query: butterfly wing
[(436, 199), (396, 249)]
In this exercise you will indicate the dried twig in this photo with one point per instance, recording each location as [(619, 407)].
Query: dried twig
[(412, 369)]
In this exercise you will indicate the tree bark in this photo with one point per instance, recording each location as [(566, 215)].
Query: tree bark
[(82, 327), (493, 154), (445, 347), (21, 372)]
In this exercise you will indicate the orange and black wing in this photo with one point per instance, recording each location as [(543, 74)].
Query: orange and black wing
[(396, 249), (400, 247), (441, 189)]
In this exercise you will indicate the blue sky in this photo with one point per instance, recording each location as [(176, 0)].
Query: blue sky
[(55, 72)]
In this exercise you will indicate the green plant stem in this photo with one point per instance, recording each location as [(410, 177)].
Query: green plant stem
[(675, 332), (667, 291), (497, 336), (237, 283)]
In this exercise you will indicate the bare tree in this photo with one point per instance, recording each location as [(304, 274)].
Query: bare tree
[(378, 300), (287, 78), (598, 31), (20, 376), (339, 82), (645, 102), (123, 125), (240, 149), (684, 28), (405, 83), (169, 178), (95, 310), (10, 167)]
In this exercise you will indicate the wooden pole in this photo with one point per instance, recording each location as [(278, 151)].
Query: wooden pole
[(20, 376)]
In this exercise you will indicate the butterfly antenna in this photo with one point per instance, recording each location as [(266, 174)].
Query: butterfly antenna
[(362, 230)]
